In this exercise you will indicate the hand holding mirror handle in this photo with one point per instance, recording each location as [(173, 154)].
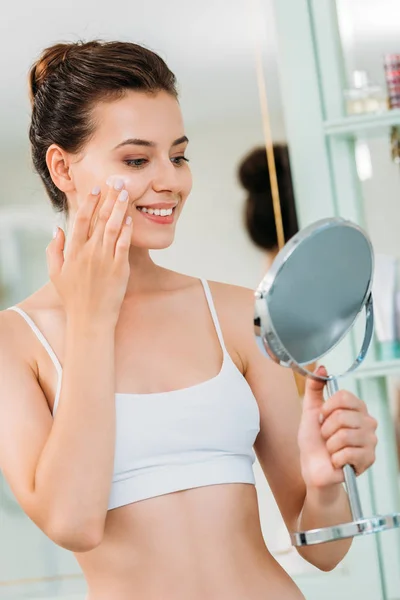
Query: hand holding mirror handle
[(304, 312)]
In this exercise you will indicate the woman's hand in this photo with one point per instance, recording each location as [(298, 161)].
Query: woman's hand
[(332, 434), (92, 278)]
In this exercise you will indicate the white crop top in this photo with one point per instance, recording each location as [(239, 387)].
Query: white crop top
[(191, 437)]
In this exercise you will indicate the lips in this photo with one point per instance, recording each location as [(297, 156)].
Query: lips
[(159, 219)]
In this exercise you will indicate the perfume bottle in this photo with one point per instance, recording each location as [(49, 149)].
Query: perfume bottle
[(391, 63), (364, 96)]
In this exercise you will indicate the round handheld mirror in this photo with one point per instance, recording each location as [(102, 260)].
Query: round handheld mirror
[(309, 300), (312, 295)]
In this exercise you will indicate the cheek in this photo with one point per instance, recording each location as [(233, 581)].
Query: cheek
[(135, 183), (87, 174), (187, 183)]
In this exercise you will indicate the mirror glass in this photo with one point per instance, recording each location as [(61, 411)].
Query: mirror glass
[(312, 309)]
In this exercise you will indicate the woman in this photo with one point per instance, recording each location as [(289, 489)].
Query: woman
[(259, 217), (139, 458), (254, 176)]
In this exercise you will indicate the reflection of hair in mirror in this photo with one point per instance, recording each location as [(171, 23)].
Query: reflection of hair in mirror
[(254, 176), (259, 215), (68, 79)]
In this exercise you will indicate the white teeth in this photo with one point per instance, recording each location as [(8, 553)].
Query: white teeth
[(163, 212)]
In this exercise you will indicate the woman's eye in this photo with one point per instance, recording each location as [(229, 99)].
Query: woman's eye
[(179, 160), (135, 162)]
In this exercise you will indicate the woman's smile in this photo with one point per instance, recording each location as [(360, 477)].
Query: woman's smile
[(161, 213)]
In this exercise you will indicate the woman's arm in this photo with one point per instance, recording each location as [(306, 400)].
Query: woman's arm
[(278, 453), (75, 467), (322, 501), (60, 470)]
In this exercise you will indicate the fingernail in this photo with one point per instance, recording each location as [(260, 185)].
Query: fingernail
[(128, 220), (118, 184), (96, 190), (123, 196), (55, 231), (321, 418)]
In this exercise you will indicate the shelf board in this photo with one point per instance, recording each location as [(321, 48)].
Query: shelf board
[(357, 123), (382, 368)]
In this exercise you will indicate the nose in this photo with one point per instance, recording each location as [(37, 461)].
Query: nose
[(166, 177)]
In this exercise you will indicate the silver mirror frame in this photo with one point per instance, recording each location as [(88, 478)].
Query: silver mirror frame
[(269, 336)]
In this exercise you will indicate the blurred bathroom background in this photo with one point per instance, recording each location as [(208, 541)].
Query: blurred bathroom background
[(329, 69)]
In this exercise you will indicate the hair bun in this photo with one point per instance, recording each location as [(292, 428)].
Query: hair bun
[(253, 172), (47, 63)]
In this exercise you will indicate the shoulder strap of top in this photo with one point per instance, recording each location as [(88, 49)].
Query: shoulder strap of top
[(46, 345), (213, 312)]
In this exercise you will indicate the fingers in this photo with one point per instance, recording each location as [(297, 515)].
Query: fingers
[(55, 253), (339, 419), (350, 438), (83, 220), (343, 400), (111, 215), (124, 240), (115, 222), (359, 458), (314, 390)]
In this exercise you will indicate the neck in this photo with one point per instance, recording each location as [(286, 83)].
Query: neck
[(144, 274)]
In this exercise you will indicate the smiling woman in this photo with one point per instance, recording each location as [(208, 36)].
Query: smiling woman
[(132, 406)]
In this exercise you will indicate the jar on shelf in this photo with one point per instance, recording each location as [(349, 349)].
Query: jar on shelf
[(364, 96)]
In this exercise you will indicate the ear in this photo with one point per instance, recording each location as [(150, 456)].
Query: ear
[(58, 162)]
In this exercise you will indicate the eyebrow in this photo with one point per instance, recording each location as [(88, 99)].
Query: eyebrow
[(139, 142)]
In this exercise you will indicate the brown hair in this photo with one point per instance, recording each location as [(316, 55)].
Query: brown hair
[(69, 79), (259, 217)]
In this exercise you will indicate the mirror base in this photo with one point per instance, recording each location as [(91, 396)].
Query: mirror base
[(345, 530)]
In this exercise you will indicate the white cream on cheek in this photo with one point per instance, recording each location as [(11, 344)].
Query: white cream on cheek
[(130, 184)]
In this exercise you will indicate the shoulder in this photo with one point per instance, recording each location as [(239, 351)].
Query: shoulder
[(234, 299), (12, 335), (235, 306), (9, 327), (15, 347)]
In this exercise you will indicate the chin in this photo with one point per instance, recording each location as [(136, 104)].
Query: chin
[(153, 242)]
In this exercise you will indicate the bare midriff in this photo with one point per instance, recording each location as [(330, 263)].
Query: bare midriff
[(197, 544)]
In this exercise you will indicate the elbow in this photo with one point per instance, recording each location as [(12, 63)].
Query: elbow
[(76, 539), (327, 567), (323, 563)]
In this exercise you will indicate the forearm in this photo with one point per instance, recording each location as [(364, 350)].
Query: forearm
[(74, 472), (323, 508)]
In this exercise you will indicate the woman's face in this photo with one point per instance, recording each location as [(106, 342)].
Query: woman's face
[(139, 139)]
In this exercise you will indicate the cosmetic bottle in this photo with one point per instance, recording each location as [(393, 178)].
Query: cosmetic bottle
[(364, 96)]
